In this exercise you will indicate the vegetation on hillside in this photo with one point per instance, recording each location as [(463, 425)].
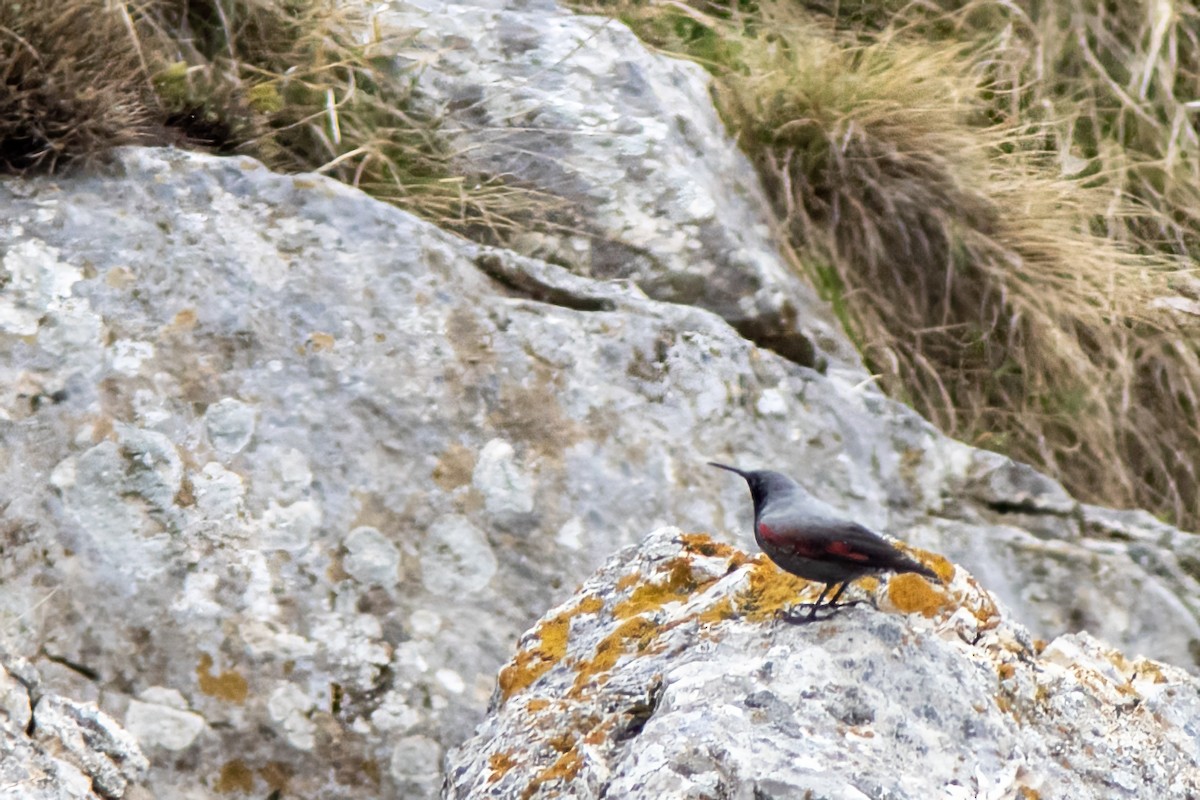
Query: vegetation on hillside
[(1002, 200), (294, 83)]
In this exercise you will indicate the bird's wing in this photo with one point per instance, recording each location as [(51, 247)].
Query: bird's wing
[(839, 541)]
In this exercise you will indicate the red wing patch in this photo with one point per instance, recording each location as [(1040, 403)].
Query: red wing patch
[(846, 550), (800, 547)]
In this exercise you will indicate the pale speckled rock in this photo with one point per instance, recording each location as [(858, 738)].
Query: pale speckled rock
[(577, 107), (53, 748), (160, 718), (669, 675), (391, 368)]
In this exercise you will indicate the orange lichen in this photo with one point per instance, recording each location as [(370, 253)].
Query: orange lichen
[(1006, 671), (717, 612), (869, 584), (562, 741), (634, 634), (550, 647), (679, 585), (599, 734), (565, 769), (1029, 794), (909, 592), (769, 591), (935, 561), (537, 704), (589, 605), (500, 763), (227, 686), (703, 545), (235, 777), (628, 580), (533, 662)]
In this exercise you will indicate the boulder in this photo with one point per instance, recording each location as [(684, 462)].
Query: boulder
[(647, 184), (671, 674), (55, 748), (290, 470)]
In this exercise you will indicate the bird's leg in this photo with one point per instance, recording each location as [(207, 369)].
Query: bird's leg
[(813, 613), (833, 601), (798, 620), (833, 605)]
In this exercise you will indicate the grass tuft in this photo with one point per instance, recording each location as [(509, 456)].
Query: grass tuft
[(73, 85), (1005, 259), (302, 85)]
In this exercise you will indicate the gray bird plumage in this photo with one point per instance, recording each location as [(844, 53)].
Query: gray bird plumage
[(809, 538)]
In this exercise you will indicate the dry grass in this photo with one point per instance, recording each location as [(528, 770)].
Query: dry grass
[(303, 85), (72, 85), (998, 275)]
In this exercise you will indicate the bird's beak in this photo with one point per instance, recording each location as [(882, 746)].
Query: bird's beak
[(727, 467)]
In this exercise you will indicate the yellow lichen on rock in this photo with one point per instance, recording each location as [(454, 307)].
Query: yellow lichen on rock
[(717, 612), (500, 763), (564, 769), (229, 685), (769, 590), (680, 584), (533, 662), (943, 566), (632, 635), (704, 545), (910, 593)]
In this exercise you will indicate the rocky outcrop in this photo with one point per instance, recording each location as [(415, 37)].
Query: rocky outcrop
[(289, 470), (670, 675), (302, 467), (53, 748), (652, 188)]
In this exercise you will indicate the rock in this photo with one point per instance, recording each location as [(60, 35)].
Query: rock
[(656, 190), (320, 367), (668, 675), (53, 748)]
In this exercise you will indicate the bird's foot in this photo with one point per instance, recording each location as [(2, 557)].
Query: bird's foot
[(846, 604), (794, 617)]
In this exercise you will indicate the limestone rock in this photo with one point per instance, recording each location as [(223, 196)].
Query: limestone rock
[(53, 748), (577, 107), (239, 377), (669, 675)]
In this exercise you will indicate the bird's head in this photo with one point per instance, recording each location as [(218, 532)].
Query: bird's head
[(764, 484)]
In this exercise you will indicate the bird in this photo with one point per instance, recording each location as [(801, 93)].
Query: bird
[(809, 538)]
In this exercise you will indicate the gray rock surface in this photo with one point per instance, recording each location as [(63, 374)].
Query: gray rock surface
[(668, 676), (655, 190), (53, 748), (290, 470)]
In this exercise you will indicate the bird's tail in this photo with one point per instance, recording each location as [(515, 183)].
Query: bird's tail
[(913, 565)]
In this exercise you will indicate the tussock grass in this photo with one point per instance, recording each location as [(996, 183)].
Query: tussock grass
[(1000, 273), (303, 85), (72, 86)]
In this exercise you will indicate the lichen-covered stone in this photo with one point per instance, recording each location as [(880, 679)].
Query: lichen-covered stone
[(207, 519), (54, 748), (699, 689), (630, 144), (218, 383)]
